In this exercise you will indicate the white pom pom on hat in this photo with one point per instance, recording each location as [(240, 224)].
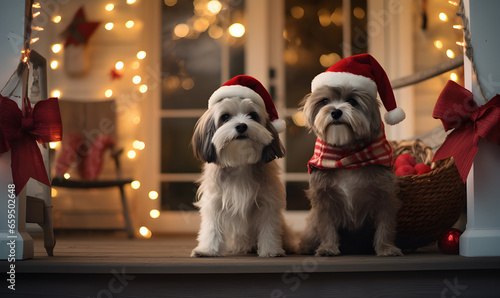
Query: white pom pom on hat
[(362, 72), (249, 87)]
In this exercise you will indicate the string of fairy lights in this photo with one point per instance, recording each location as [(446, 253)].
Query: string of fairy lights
[(118, 67), (440, 45)]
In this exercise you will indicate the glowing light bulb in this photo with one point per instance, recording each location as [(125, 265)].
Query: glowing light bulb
[(130, 2), (138, 145), (108, 93), (136, 79), (129, 24), (119, 65), (170, 2), (56, 93), (109, 26), (143, 88), (181, 30), (443, 17), (154, 213), (56, 19), (136, 120), (453, 77), (131, 154), (298, 119), (450, 54), (109, 7), (214, 6), (135, 184), (141, 55), (54, 64), (145, 232), (438, 44), (297, 12), (66, 175), (215, 32), (52, 145), (153, 195), (135, 65), (56, 48), (237, 30)]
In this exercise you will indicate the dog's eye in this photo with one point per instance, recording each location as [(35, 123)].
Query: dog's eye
[(254, 116), (325, 101), (353, 102), (225, 117)]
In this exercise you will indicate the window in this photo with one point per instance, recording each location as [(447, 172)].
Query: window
[(198, 53), (300, 38)]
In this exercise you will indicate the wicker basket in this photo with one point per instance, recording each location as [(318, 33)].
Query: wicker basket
[(431, 202)]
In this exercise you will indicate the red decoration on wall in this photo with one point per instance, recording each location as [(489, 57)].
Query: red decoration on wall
[(115, 74), (457, 110), (20, 130), (79, 30)]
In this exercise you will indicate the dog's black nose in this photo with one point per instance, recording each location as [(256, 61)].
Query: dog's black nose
[(241, 127), (336, 114)]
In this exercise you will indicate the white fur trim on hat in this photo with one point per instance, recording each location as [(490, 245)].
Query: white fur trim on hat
[(334, 79), (279, 124), (395, 116), (235, 90)]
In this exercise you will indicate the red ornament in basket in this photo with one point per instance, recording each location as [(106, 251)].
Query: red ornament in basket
[(405, 165)]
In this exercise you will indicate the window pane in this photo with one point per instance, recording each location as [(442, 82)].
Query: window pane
[(359, 36), (192, 55), (176, 151), (313, 33), (300, 147), (178, 196)]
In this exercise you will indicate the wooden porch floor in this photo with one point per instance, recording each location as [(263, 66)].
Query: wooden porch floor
[(110, 265)]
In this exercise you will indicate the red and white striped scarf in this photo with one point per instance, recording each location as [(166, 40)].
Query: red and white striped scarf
[(328, 157)]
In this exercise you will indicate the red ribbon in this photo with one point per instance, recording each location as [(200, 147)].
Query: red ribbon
[(457, 110), (19, 132)]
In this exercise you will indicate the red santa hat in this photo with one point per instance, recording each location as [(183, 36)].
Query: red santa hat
[(362, 72), (248, 87)]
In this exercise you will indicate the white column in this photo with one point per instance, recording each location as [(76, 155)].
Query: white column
[(390, 40), (257, 40), (11, 43), (482, 234)]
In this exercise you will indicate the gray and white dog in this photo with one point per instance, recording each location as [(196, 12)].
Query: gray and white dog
[(241, 197), (352, 188)]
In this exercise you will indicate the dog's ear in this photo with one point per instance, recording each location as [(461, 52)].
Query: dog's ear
[(275, 149), (203, 148)]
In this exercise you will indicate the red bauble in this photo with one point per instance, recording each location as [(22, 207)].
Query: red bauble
[(404, 159), (422, 168), (449, 241), (405, 170)]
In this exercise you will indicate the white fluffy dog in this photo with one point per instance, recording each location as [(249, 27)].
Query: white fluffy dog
[(241, 197)]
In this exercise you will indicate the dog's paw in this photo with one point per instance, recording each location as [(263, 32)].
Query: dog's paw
[(327, 251), (272, 253), (389, 251), (199, 253)]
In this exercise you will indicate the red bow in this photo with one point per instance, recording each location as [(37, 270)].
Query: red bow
[(457, 110), (19, 132)]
